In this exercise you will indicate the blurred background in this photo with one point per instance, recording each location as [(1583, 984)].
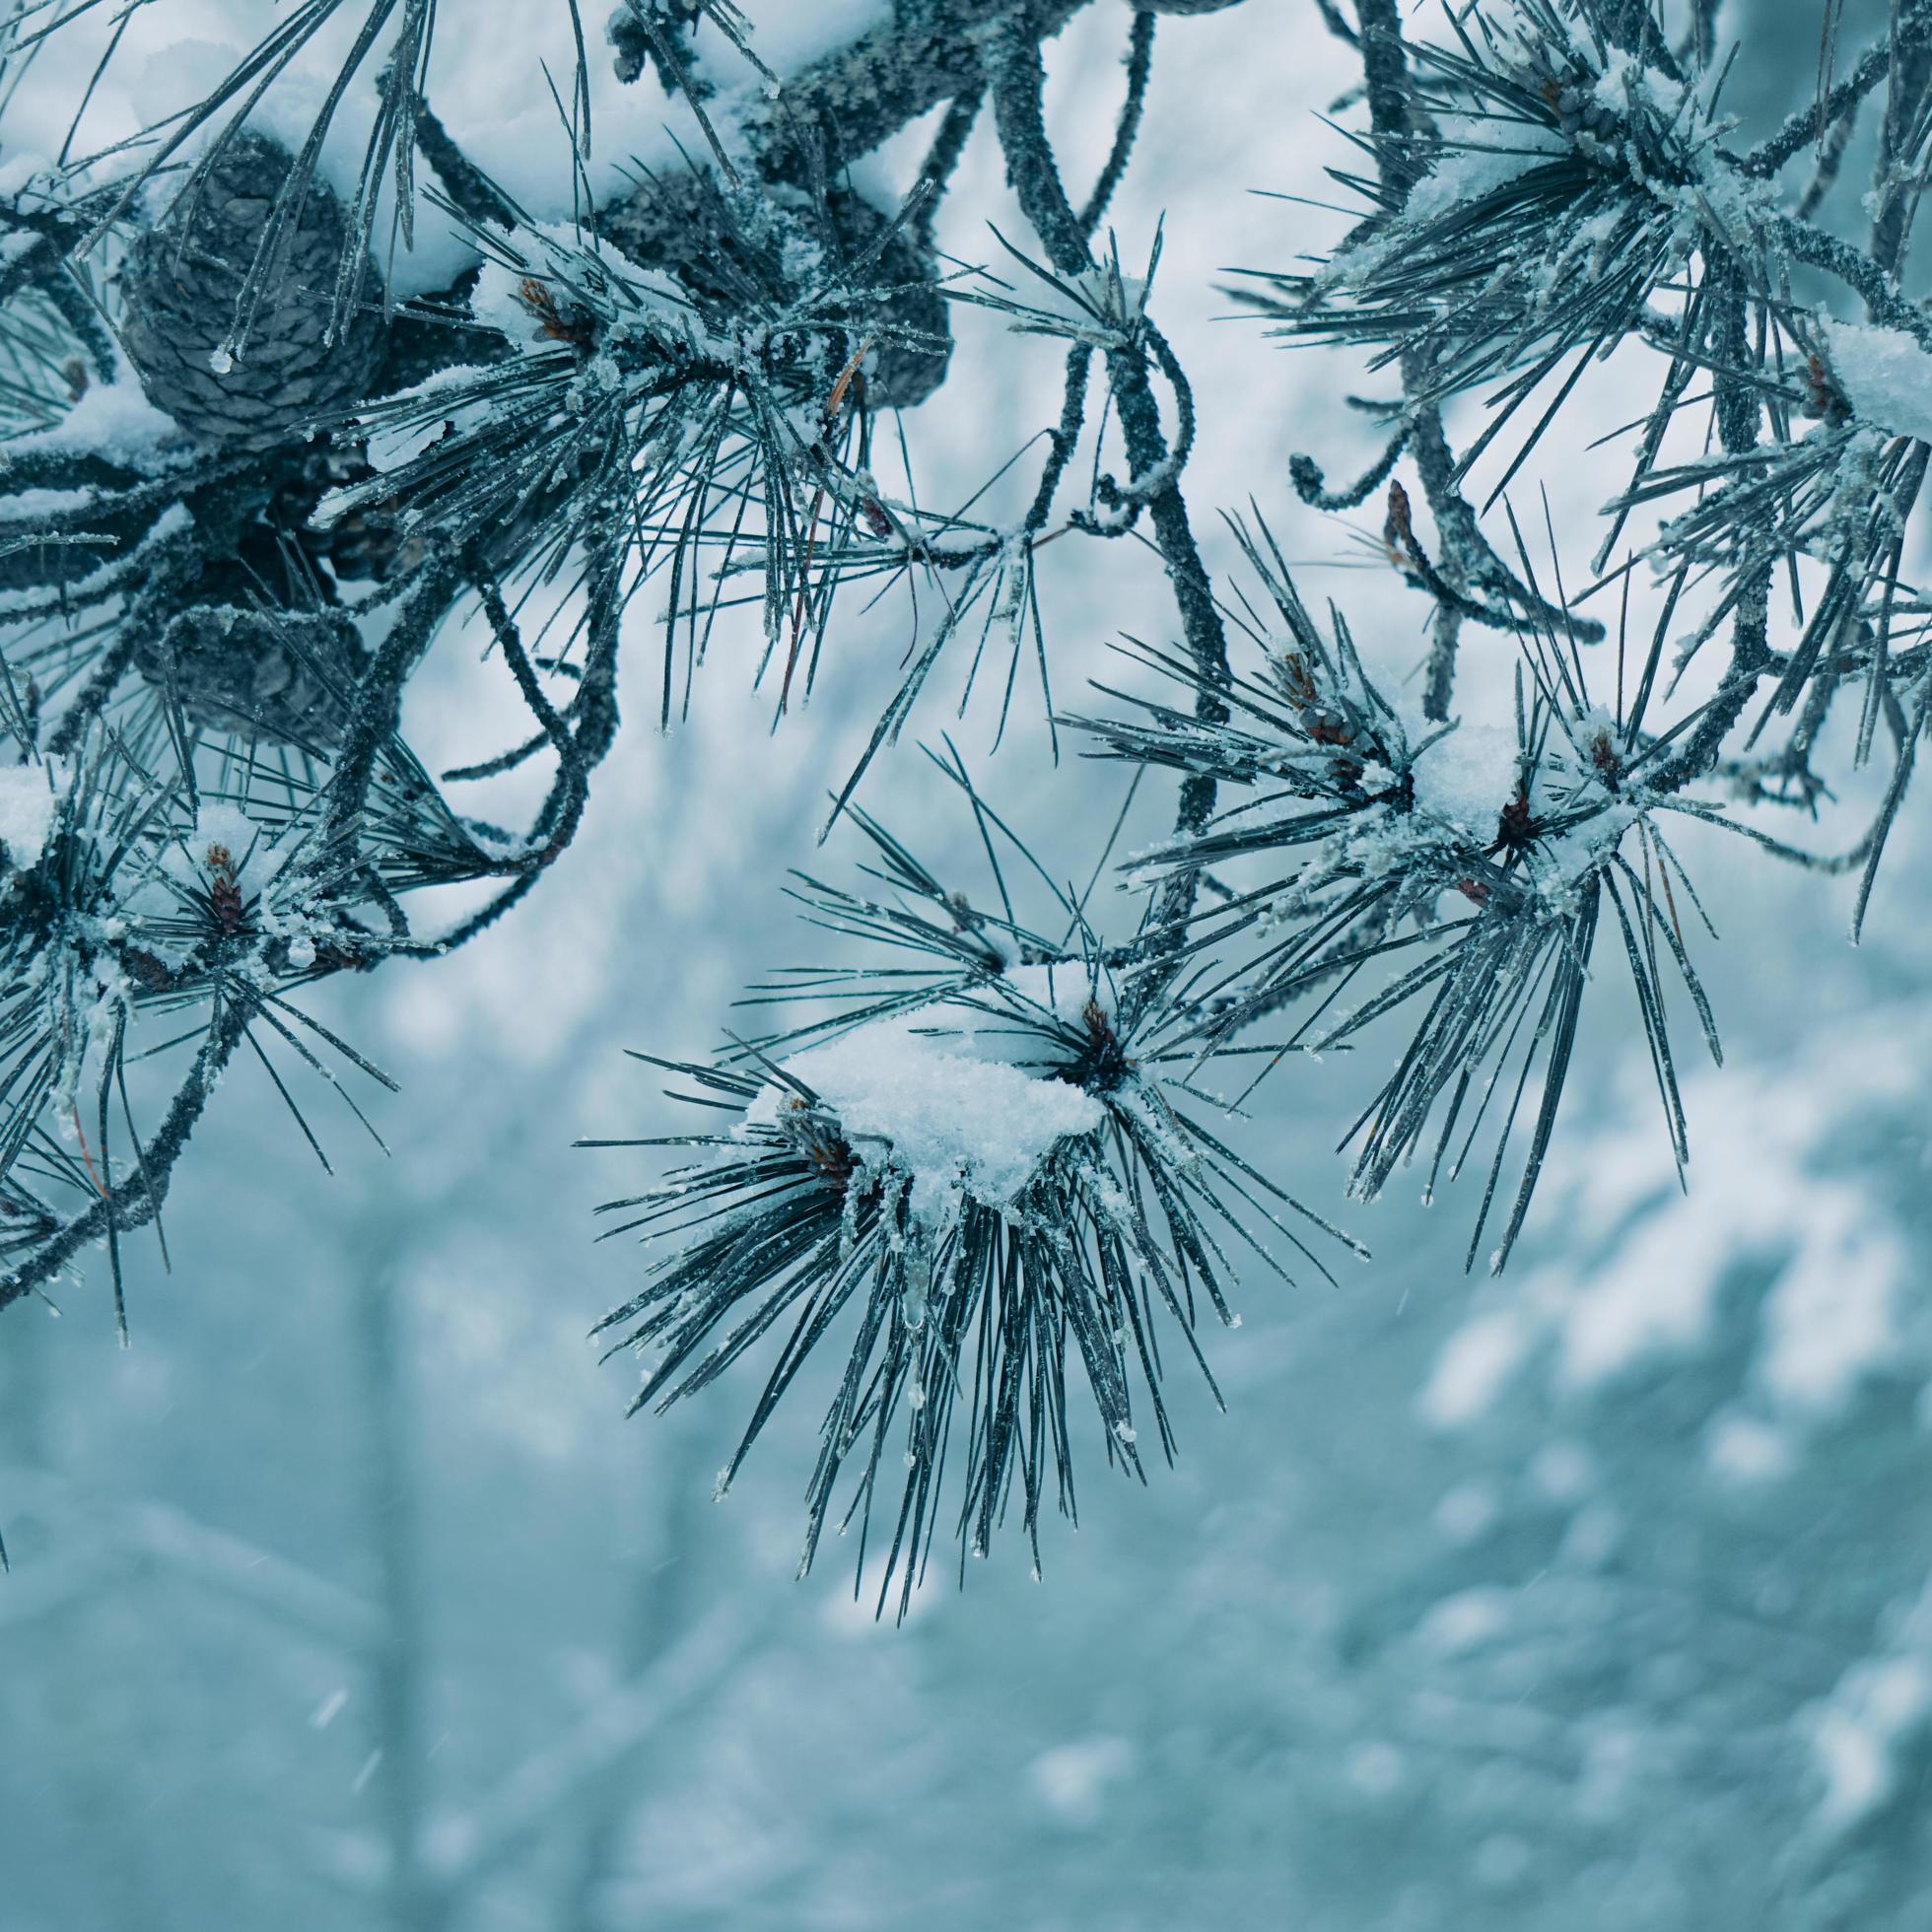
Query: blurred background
[(1596, 1596)]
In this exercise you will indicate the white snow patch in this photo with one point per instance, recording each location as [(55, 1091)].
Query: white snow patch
[(1474, 1367), (1856, 1732), (952, 1122), (111, 420), (227, 827), (1094, 305), (1628, 86), (1471, 172), (1467, 777), (395, 440), (1832, 1314), (1063, 987), (27, 803), (1884, 375), (1835, 1257), (217, 828), (1643, 1309)]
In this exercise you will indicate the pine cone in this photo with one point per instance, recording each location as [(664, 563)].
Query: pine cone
[(283, 675), (180, 290)]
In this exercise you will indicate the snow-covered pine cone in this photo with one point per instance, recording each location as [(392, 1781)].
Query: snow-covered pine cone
[(180, 290), (282, 675)]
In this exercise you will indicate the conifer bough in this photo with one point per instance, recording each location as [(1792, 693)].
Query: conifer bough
[(248, 484)]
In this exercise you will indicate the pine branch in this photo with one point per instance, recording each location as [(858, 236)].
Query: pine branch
[(1015, 78)]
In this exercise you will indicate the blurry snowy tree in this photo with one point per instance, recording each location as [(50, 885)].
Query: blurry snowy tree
[(279, 422)]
